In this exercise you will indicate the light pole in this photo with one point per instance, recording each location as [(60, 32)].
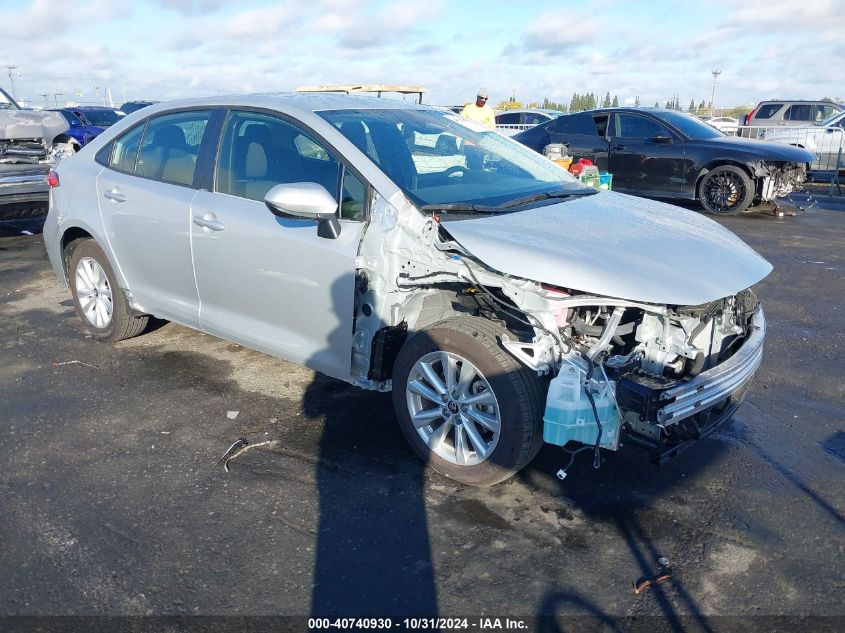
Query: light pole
[(56, 96), (716, 74), (12, 75)]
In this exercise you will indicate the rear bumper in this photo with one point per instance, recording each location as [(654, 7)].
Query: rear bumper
[(719, 383), (23, 183)]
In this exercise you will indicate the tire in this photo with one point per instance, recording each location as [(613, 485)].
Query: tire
[(726, 190), (99, 301), (503, 394)]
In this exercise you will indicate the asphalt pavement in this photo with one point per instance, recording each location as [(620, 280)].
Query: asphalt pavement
[(113, 502)]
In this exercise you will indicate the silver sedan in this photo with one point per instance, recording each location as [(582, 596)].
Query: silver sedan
[(405, 248)]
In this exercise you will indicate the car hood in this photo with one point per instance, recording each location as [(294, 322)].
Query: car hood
[(760, 150), (618, 246), (20, 124)]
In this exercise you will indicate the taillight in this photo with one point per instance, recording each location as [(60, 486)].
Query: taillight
[(750, 115), (52, 179)]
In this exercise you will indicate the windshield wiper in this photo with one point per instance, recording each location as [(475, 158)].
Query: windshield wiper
[(548, 195), (446, 207)]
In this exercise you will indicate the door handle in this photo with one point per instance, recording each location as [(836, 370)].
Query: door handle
[(114, 195), (618, 147), (209, 221)]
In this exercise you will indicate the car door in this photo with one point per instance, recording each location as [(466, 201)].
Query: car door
[(145, 196), (584, 133), (645, 156), (268, 282)]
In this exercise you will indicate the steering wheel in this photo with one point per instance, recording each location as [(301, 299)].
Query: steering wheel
[(454, 169)]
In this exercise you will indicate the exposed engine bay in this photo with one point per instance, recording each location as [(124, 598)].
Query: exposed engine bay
[(661, 376), (28, 137), (778, 179), (31, 143)]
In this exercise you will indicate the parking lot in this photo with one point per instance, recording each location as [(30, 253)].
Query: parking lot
[(114, 503)]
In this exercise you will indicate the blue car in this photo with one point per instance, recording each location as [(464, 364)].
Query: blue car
[(88, 122)]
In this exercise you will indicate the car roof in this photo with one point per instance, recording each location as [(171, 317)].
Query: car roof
[(304, 101), (812, 101), (532, 111), (90, 108), (640, 109)]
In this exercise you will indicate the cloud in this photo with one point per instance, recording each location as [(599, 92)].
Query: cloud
[(194, 7), (556, 33), (355, 26)]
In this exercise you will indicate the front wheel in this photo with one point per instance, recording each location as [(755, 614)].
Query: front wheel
[(468, 408), (726, 190)]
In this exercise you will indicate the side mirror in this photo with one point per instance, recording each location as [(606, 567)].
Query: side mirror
[(307, 200), (660, 139)]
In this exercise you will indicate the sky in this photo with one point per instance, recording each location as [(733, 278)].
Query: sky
[(166, 49)]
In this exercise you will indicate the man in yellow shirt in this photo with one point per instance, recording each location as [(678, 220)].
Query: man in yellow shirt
[(480, 111)]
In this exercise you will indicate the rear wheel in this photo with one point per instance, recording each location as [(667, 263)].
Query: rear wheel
[(468, 408), (726, 190), (99, 301)]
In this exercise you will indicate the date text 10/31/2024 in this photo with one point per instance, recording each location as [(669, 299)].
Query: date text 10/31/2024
[(412, 624)]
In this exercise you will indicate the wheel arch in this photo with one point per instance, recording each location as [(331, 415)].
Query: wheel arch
[(721, 162), (77, 232)]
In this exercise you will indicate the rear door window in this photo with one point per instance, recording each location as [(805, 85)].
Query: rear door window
[(125, 152), (585, 124), (170, 146), (798, 112), (636, 126)]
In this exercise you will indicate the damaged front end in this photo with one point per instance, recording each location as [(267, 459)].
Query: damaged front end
[(778, 179), (661, 377), (31, 143)]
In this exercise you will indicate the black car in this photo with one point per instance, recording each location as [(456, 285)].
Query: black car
[(669, 154)]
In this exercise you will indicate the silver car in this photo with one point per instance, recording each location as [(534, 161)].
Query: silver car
[(405, 248), (512, 121)]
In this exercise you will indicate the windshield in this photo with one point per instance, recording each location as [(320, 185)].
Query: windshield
[(688, 126), (102, 118), (440, 158), (70, 117)]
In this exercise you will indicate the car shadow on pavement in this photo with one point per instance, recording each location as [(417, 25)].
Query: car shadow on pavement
[(626, 493), (373, 553)]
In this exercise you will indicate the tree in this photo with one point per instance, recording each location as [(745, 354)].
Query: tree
[(575, 104), (510, 104), (691, 106), (606, 102), (637, 101), (669, 104), (656, 104), (615, 102)]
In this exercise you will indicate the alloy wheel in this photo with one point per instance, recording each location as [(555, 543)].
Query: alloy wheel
[(724, 191), (453, 408), (94, 292)]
